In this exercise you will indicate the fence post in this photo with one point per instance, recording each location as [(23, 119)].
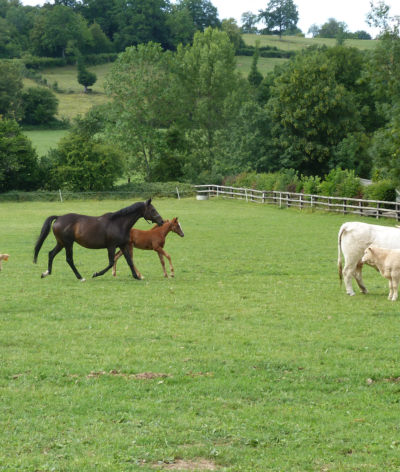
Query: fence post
[(251, 196), (301, 202), (245, 192), (287, 200), (177, 191), (329, 204), (378, 205), (263, 197), (280, 200), (397, 212), (60, 194), (361, 207), (344, 206), (232, 192), (312, 199)]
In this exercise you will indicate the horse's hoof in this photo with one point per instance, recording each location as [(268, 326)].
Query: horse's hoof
[(83, 280), (45, 274), (141, 277), (94, 275)]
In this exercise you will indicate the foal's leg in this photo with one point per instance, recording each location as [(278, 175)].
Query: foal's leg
[(125, 250), (116, 257), (111, 256), (161, 253), (52, 255), (70, 260)]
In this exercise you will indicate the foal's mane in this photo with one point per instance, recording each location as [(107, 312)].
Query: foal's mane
[(127, 210)]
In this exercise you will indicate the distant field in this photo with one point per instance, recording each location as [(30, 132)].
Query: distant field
[(295, 43), (265, 64), (45, 140)]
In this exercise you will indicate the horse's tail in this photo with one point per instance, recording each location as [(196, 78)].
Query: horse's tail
[(43, 235), (341, 231)]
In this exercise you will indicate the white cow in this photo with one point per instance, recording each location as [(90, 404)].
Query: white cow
[(353, 240)]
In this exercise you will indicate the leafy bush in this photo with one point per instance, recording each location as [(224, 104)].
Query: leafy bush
[(384, 190), (40, 105), (310, 185), (286, 180), (19, 169), (341, 183)]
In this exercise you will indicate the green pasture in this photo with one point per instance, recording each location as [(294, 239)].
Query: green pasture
[(266, 360), (45, 139), (265, 64), (296, 43)]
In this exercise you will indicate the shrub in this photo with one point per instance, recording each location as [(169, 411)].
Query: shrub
[(40, 105), (310, 184), (341, 183), (384, 190), (286, 180)]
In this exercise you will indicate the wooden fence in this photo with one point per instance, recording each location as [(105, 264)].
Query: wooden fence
[(374, 208)]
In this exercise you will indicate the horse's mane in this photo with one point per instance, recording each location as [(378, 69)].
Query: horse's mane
[(156, 225), (126, 210)]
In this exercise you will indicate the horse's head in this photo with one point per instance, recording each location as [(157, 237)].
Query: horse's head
[(151, 214), (176, 227)]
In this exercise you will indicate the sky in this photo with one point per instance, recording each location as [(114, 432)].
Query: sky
[(351, 12)]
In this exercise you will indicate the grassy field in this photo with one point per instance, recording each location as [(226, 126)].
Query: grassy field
[(265, 64), (296, 43), (265, 359), (45, 140)]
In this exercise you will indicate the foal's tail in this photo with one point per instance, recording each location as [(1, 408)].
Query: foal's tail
[(43, 235)]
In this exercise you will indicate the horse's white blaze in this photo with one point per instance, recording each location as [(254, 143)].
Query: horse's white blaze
[(181, 229)]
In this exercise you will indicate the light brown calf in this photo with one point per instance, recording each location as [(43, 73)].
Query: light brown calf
[(387, 262), (152, 239), (3, 257)]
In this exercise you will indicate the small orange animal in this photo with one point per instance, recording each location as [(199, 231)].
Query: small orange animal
[(152, 239), (3, 257)]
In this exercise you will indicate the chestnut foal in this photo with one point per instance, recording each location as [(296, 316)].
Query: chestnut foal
[(152, 239)]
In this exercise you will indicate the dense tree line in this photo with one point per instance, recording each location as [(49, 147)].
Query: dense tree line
[(188, 115), (100, 26)]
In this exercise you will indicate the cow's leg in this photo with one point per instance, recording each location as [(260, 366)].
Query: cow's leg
[(390, 288), (348, 273), (358, 277), (395, 285)]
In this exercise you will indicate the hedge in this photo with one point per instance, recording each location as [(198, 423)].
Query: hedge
[(141, 191)]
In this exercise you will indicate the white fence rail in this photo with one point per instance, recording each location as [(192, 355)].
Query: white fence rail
[(374, 208)]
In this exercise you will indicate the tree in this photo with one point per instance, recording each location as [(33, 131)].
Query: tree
[(211, 92), (40, 105), (255, 77), (140, 22), (362, 34), (249, 20), (332, 28), (233, 31), (83, 160), (144, 103), (100, 42), (18, 160), (279, 16), (181, 25), (203, 12), (62, 26), (85, 78), (314, 30), (11, 91), (311, 114)]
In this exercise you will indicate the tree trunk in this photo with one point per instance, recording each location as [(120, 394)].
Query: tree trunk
[(84, 88)]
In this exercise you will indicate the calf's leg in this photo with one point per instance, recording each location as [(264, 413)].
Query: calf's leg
[(395, 284)]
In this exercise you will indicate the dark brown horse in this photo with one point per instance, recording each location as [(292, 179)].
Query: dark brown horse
[(108, 231), (152, 239)]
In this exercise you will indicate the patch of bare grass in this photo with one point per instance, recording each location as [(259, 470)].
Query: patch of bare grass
[(180, 464)]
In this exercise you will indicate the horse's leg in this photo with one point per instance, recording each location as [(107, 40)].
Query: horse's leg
[(116, 257), (70, 260), (125, 250), (161, 253), (169, 259), (52, 255), (136, 269), (111, 256)]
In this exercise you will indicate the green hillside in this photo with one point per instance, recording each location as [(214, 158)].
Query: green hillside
[(296, 43)]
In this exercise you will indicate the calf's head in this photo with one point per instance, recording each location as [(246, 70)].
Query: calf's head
[(368, 256)]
